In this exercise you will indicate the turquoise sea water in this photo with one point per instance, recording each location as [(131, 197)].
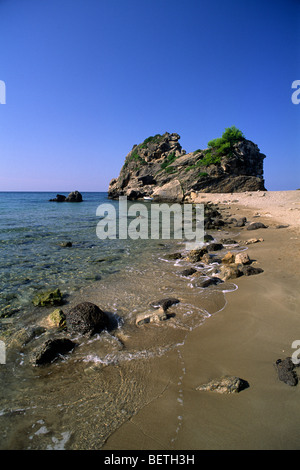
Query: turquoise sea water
[(79, 400), (32, 230)]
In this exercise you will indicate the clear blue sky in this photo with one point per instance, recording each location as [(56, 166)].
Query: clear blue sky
[(88, 79)]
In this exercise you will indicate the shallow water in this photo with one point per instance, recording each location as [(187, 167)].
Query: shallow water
[(79, 400)]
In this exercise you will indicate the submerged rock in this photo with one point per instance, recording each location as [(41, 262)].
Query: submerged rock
[(165, 303), (86, 318), (46, 299), (205, 281), (225, 385), (66, 244), (25, 335), (152, 317)]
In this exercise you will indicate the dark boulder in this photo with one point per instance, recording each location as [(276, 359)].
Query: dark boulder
[(286, 373), (86, 318), (204, 281), (241, 222), (215, 247), (51, 349), (188, 272), (74, 196)]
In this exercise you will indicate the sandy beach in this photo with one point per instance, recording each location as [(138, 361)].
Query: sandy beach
[(257, 326)]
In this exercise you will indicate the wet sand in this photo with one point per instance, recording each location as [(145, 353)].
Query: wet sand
[(257, 326)]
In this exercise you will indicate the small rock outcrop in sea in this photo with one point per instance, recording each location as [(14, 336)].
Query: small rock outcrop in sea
[(226, 385), (74, 196), (165, 303), (86, 318), (159, 168)]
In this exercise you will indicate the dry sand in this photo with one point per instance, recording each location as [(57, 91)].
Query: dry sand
[(257, 326)]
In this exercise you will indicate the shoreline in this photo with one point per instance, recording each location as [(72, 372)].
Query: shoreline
[(153, 404), (255, 328)]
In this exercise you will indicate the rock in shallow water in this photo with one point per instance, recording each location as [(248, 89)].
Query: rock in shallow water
[(46, 299), (86, 318), (51, 349), (57, 318), (165, 303), (152, 317)]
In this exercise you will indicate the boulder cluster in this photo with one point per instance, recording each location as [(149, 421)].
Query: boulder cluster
[(74, 196), (65, 328)]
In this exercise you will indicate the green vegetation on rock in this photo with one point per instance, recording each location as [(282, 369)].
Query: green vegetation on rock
[(46, 299), (168, 160), (152, 139), (222, 146), (218, 148)]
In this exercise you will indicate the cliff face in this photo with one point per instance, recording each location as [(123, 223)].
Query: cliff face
[(161, 169)]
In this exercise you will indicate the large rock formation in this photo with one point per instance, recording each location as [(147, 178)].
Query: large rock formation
[(161, 169)]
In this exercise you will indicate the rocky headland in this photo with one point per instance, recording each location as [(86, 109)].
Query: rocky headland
[(160, 169)]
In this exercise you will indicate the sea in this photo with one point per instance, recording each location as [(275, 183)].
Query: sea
[(81, 398)]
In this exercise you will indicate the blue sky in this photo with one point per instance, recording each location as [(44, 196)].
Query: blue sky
[(88, 79)]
